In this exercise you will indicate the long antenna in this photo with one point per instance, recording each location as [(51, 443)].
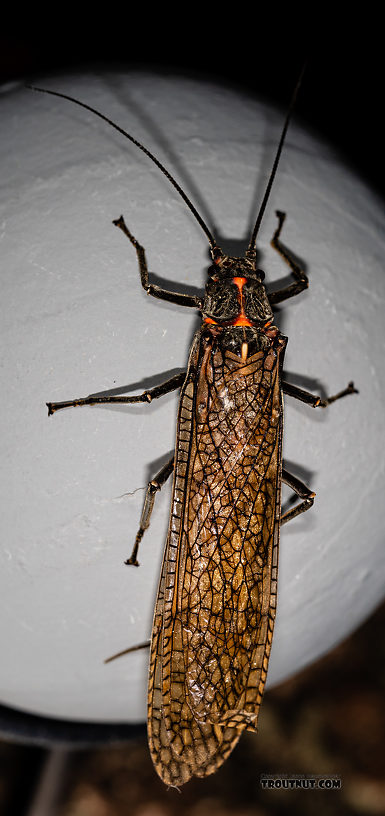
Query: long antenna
[(141, 147), (251, 247)]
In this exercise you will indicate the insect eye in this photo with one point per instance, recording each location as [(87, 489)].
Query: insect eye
[(216, 254)]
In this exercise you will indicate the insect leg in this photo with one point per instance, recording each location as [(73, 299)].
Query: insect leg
[(311, 399), (147, 396), (302, 281), (302, 491), (150, 288), (152, 488)]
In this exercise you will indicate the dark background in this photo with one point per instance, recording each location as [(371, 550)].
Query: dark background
[(260, 51)]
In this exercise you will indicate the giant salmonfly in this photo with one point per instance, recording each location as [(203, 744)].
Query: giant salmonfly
[(216, 603)]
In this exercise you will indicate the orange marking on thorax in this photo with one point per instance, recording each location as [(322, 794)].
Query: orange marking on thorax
[(240, 282), (241, 320)]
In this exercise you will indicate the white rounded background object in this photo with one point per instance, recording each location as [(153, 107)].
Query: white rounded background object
[(75, 321)]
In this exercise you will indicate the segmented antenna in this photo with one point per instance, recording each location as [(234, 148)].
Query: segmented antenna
[(251, 248), (141, 147), (250, 252)]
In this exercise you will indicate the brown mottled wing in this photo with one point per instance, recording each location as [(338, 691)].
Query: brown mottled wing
[(215, 609)]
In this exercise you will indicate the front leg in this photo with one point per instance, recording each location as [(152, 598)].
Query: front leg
[(301, 279), (150, 288)]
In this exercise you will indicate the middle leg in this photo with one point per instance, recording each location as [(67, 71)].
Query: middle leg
[(310, 399), (147, 396)]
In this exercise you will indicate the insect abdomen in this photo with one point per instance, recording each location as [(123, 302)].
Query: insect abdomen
[(216, 603)]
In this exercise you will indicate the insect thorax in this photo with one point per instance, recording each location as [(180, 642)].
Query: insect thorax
[(236, 308)]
